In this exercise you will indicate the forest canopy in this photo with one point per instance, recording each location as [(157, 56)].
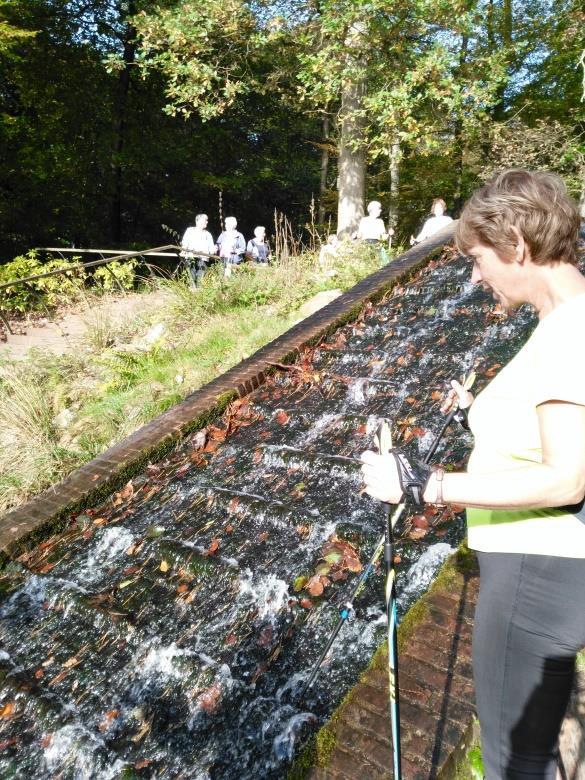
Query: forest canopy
[(119, 117)]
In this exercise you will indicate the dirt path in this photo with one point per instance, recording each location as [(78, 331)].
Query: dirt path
[(67, 330)]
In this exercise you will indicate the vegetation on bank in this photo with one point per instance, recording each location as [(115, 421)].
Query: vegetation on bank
[(58, 412)]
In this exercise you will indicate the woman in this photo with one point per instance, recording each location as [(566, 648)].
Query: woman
[(435, 223), (525, 482)]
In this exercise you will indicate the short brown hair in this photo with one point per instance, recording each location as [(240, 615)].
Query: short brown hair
[(536, 203), (438, 201)]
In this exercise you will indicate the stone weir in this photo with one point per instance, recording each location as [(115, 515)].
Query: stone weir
[(163, 606)]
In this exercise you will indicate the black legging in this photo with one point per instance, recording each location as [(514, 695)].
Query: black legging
[(529, 626)]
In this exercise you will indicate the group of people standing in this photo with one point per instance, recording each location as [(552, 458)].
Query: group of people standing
[(371, 230), (199, 249)]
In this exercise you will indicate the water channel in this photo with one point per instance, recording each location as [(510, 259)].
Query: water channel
[(167, 632)]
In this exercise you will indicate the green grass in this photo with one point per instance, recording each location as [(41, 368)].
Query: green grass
[(115, 383)]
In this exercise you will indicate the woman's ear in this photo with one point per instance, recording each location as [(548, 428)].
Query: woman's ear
[(522, 250)]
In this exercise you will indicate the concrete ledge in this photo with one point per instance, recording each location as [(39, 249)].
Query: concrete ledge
[(24, 526)]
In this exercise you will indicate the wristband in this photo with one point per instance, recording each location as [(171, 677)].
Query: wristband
[(439, 473), (414, 476)]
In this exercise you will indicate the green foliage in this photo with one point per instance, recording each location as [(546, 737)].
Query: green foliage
[(476, 763), (48, 292), (120, 273)]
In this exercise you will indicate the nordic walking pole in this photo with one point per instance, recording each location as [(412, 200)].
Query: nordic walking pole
[(347, 607), (384, 444)]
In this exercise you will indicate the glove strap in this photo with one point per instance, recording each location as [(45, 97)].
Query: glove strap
[(414, 476)]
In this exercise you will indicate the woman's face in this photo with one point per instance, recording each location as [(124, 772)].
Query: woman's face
[(496, 274), (438, 210)]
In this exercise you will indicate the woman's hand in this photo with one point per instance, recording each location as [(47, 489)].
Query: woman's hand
[(457, 395), (381, 477)]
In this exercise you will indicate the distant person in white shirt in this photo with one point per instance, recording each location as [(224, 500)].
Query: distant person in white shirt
[(371, 228), (197, 239), (435, 223), (258, 247), (231, 245)]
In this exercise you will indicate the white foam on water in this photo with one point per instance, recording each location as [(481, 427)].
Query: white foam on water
[(4, 656), (283, 745), (73, 748), (356, 391), (113, 542), (421, 574), (268, 593), (160, 661)]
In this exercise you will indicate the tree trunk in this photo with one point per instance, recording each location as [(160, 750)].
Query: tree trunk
[(351, 182), (395, 154), (324, 170), (352, 162), (120, 128)]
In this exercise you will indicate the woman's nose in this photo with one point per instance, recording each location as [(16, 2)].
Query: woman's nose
[(475, 275)]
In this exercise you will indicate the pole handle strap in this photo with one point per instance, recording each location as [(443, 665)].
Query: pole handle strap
[(414, 477)]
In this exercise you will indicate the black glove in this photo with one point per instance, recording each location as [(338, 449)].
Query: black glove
[(414, 477)]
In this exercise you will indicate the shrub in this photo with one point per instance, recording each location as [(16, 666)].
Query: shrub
[(39, 293), (118, 274)]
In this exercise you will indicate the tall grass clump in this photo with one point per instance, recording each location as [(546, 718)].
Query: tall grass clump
[(30, 456)]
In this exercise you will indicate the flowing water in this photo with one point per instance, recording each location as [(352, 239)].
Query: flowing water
[(167, 632)]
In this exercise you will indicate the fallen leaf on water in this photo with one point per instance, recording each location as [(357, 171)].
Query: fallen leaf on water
[(417, 533), (39, 673), (100, 521), (213, 547), (164, 566), (108, 718), (209, 699), (229, 529), (46, 741), (8, 710), (182, 588), (71, 662), (230, 639), (143, 763), (281, 417), (300, 583), (420, 521), (8, 743), (123, 495), (263, 536), (315, 586), (306, 603), (233, 504)]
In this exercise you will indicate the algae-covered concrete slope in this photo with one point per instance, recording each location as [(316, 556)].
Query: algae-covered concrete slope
[(167, 631)]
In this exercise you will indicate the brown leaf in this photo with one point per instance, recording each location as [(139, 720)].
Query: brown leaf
[(230, 639), (46, 741), (164, 566), (262, 537), (420, 521), (214, 546), (7, 711), (233, 504), (339, 576), (6, 743), (436, 395), (281, 417), (417, 533), (182, 588), (306, 603), (229, 529), (314, 586), (257, 457), (209, 699), (39, 673), (107, 720), (143, 763)]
